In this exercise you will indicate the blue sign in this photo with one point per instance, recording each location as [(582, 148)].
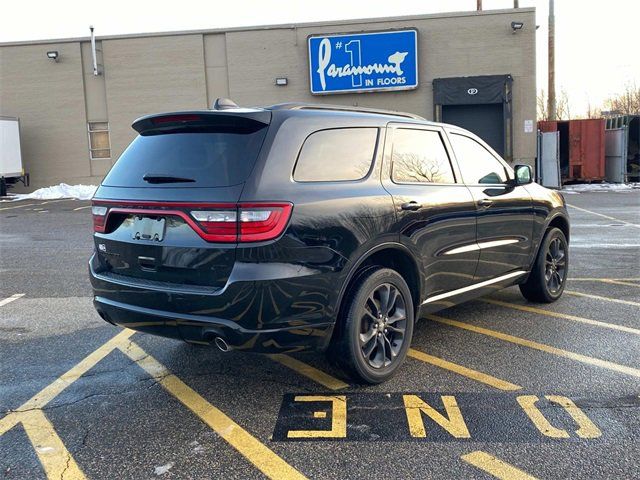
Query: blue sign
[(364, 62)]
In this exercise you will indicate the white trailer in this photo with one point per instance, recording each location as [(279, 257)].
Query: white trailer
[(11, 168)]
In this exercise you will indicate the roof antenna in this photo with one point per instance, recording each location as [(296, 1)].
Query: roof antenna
[(224, 104)]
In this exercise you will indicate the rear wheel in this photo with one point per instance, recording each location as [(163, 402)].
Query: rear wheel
[(378, 326), (549, 273)]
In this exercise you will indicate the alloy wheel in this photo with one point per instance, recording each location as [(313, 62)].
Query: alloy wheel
[(555, 265), (382, 326)]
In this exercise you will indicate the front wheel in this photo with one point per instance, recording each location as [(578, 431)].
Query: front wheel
[(377, 326), (549, 273)]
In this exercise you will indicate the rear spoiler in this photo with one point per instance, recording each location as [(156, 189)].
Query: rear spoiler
[(231, 119)]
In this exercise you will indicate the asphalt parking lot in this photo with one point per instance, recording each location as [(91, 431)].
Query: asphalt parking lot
[(494, 388)]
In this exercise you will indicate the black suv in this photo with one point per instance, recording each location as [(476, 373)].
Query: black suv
[(298, 227)]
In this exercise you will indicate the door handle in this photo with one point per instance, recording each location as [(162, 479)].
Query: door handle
[(412, 206), (485, 202)]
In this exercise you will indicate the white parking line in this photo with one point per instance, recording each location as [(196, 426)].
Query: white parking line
[(36, 204), (599, 297), (81, 208), (11, 299), (603, 216)]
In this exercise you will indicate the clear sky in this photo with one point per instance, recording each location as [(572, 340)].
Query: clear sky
[(597, 47)]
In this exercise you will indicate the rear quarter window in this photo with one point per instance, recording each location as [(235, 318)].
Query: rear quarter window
[(336, 155)]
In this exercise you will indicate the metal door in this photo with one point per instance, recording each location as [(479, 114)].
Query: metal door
[(486, 121), (615, 151), (548, 171)]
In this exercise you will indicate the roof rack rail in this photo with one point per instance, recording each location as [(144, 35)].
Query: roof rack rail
[(342, 108)]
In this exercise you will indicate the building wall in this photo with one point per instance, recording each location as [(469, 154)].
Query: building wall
[(151, 73), (48, 98)]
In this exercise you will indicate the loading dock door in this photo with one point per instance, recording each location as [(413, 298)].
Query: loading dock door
[(485, 120), (481, 104)]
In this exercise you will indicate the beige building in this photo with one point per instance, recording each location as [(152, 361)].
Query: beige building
[(75, 124)]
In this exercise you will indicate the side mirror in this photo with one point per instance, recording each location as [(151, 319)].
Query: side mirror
[(523, 175)]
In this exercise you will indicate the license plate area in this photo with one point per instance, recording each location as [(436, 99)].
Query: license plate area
[(148, 228)]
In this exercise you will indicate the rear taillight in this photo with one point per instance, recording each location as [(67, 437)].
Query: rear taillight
[(223, 223), (219, 225), (260, 222), (249, 222), (99, 218)]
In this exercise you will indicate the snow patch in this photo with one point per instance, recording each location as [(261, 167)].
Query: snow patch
[(45, 449), (81, 192), (163, 469), (197, 448), (600, 187)]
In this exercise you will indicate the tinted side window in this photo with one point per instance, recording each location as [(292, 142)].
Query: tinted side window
[(336, 155), (476, 163), (420, 156)]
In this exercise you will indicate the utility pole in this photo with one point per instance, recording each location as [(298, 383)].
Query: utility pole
[(552, 63), (516, 4), (479, 4)]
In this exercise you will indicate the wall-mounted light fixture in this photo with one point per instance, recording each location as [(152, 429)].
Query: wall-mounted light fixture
[(53, 55), (515, 26), (282, 81)]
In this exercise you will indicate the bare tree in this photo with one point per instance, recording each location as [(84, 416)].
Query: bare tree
[(542, 105), (593, 112), (563, 110), (627, 102)]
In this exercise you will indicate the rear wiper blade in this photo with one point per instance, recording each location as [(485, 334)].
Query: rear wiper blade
[(160, 178)]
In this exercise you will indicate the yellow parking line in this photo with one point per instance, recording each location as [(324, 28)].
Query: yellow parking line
[(48, 393), (494, 466), (634, 372), (464, 371), (603, 215), (606, 299), (565, 316), (81, 208), (617, 281), (268, 462), (54, 457), (308, 371), (11, 299)]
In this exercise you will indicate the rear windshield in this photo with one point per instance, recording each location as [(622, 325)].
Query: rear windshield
[(187, 159)]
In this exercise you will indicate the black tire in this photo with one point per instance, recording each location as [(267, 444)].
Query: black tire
[(389, 332), (548, 276)]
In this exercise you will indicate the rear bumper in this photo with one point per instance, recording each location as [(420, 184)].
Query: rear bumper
[(200, 329), (265, 316)]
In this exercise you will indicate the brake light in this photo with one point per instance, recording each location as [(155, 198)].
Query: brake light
[(99, 214), (175, 119), (220, 225), (250, 222), (219, 222), (260, 222)]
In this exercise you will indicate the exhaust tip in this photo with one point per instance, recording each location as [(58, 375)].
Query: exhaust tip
[(222, 345)]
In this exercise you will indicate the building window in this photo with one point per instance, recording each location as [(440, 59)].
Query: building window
[(99, 143)]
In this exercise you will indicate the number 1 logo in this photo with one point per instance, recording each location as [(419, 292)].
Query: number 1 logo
[(353, 47)]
